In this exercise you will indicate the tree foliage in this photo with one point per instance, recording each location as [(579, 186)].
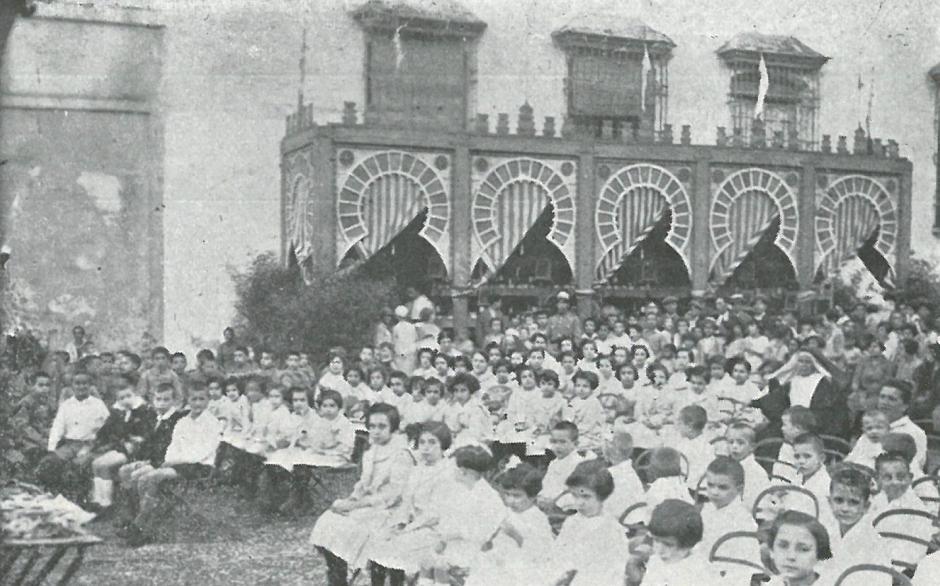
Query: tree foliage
[(277, 310)]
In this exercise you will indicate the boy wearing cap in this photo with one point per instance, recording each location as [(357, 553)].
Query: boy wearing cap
[(565, 323)]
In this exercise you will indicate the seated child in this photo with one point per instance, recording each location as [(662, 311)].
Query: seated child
[(591, 549), (698, 394), (736, 394), (117, 440), (233, 415), (432, 408), (71, 438), (519, 549), (905, 444), (564, 445), (425, 367), (874, 427), (396, 393), (214, 386), (627, 375), (628, 489), (475, 513), (667, 480), (893, 474), (467, 418), (741, 447), (797, 543), (341, 533), (588, 360), (31, 418), (725, 512), (852, 538), (396, 548), (333, 377), (692, 443), (676, 528), (607, 382), (586, 411), (358, 389), (544, 411), (794, 422), (190, 454), (810, 457), (442, 368), (655, 408)]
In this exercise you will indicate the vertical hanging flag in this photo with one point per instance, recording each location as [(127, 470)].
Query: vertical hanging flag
[(647, 67), (399, 50), (762, 88)]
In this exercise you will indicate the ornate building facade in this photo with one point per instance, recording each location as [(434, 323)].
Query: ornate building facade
[(611, 201)]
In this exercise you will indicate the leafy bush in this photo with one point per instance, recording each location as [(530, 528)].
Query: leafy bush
[(276, 310)]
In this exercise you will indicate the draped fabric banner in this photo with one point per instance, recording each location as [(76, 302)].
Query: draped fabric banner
[(637, 214), (630, 204), (299, 226), (383, 192), (751, 216), (745, 206), (509, 199), (517, 209), (849, 212)]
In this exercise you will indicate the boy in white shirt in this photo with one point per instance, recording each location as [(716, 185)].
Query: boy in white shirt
[(71, 439), (741, 447), (868, 447), (396, 393), (809, 454), (586, 411), (628, 489), (191, 454), (894, 482), (692, 442), (725, 512), (794, 422), (564, 444)]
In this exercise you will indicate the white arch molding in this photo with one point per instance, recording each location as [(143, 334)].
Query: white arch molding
[(385, 191), (847, 213), (648, 190), (510, 198), (744, 206)]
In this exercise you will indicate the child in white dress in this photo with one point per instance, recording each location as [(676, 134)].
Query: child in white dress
[(475, 512), (341, 533), (518, 551), (676, 529), (586, 411), (395, 549), (433, 408), (591, 549), (467, 418), (667, 480)]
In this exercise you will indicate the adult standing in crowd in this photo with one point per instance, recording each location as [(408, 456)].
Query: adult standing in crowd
[(383, 329), (78, 346), (417, 303), (927, 385), (226, 353), (565, 322), (405, 340)]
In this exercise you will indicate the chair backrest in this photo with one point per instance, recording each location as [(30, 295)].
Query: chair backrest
[(934, 500), (898, 578), (713, 555), (905, 512), (629, 511), (784, 488), (836, 443)]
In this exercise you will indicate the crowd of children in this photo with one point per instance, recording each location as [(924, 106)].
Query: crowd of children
[(531, 460)]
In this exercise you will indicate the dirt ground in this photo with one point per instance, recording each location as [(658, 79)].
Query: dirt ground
[(220, 539)]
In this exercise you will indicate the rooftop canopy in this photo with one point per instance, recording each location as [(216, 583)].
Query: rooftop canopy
[(611, 31), (447, 17), (753, 44)]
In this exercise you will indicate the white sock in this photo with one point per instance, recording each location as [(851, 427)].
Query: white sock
[(102, 491)]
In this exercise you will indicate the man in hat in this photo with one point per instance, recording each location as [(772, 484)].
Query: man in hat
[(694, 315), (405, 340), (671, 312), (565, 323), (722, 311)]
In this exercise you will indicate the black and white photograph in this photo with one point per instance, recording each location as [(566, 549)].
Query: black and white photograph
[(470, 292)]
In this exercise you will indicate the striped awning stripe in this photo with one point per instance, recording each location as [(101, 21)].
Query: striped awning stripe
[(855, 221), (638, 212), (517, 209), (749, 218), (389, 204)]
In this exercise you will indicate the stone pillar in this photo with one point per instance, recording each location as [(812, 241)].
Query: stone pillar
[(701, 205), (460, 227), (584, 232), (903, 250), (323, 202), (806, 236)]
